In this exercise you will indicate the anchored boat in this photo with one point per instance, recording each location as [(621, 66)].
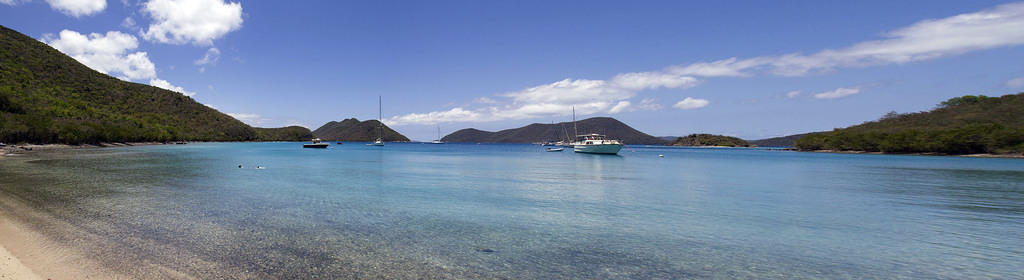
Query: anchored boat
[(316, 144)]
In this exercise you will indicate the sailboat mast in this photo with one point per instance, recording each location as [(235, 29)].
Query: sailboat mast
[(575, 130), (380, 118)]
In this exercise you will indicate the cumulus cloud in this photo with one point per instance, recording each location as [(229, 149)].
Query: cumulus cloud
[(838, 93), (211, 56), (77, 8), (622, 106), (793, 94), (107, 53), (691, 103), (191, 21), (1015, 83), (13, 2), (250, 119), (168, 86), (485, 100), (927, 39), (560, 98)]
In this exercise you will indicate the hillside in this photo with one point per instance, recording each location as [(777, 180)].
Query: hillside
[(290, 133), (354, 130), (710, 140), (961, 125), (784, 141), (554, 132), (48, 97)]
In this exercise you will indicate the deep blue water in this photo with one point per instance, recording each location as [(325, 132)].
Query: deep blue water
[(515, 211)]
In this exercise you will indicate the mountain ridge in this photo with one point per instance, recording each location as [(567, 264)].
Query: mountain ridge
[(538, 132), (356, 131)]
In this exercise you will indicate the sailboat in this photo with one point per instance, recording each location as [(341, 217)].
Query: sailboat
[(438, 140), (593, 143), (380, 124)]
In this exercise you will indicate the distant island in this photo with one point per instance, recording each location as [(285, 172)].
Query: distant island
[(49, 97), (961, 125), (784, 141), (710, 140), (539, 132), (288, 133), (356, 131)]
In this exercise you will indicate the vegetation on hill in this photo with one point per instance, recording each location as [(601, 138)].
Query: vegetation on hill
[(289, 133), (555, 132), (961, 125), (784, 141), (48, 97), (710, 140), (354, 130)]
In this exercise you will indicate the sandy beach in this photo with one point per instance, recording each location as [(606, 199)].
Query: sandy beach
[(12, 268)]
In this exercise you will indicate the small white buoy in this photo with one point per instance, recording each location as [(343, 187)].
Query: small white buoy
[(661, 155)]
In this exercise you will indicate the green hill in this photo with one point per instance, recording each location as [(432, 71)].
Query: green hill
[(961, 125), (354, 130), (540, 132), (710, 140), (48, 97), (289, 133), (784, 141)]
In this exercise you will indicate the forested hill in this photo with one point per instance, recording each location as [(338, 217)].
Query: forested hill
[(961, 125), (539, 132), (48, 97), (783, 141), (355, 130), (710, 140)]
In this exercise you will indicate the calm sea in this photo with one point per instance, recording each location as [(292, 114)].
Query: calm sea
[(514, 211)]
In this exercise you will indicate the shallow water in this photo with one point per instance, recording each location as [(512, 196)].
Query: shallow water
[(514, 211)]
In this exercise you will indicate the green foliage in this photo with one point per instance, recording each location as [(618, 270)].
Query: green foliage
[(290, 133), (964, 125), (710, 140), (48, 97), (962, 100)]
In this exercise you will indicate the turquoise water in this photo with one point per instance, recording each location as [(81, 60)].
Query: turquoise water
[(514, 211)]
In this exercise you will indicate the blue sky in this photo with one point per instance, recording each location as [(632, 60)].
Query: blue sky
[(750, 69)]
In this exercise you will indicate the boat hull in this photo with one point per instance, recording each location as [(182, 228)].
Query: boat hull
[(606, 149), (315, 146)]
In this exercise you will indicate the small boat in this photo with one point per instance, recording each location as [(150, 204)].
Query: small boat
[(380, 124), (554, 149), (316, 144), (596, 144), (339, 142), (438, 140), (593, 143)]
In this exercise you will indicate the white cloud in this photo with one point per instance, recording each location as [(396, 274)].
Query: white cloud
[(793, 94), (927, 39), (128, 23), (649, 104), (1015, 83), (191, 21), (690, 103), (924, 40), (211, 106), (107, 53), (78, 8), (560, 98), (837, 93), (620, 107), (484, 100), (13, 2), (250, 119), (211, 57), (168, 86)]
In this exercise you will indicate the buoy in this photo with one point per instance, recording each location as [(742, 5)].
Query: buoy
[(239, 166)]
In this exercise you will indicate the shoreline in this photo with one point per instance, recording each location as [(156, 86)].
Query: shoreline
[(1014, 156), (12, 149)]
